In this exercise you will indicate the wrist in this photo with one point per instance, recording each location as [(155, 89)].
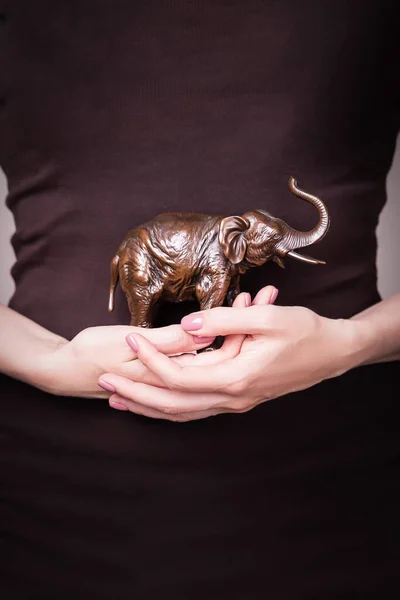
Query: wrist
[(60, 371), (356, 344), (370, 346), (38, 365), (343, 347), (72, 369)]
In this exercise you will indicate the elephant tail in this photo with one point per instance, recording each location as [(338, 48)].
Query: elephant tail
[(114, 280)]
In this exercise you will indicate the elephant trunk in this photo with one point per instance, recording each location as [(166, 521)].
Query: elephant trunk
[(293, 239)]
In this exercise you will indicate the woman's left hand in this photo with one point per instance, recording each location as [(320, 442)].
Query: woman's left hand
[(269, 351)]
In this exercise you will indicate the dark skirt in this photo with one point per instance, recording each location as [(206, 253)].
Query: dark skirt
[(297, 499)]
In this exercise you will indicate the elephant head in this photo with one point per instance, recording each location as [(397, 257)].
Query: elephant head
[(256, 237)]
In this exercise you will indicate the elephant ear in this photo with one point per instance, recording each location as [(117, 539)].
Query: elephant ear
[(231, 238)]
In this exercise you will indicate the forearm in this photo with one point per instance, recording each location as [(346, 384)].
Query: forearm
[(25, 348), (378, 329), (33, 354)]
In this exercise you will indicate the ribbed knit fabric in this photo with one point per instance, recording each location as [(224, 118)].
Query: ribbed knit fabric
[(111, 113)]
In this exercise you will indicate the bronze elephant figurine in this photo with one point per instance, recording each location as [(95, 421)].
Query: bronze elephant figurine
[(185, 256)]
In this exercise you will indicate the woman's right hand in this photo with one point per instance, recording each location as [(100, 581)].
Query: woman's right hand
[(73, 368)]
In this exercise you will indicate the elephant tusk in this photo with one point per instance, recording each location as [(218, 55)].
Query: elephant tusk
[(305, 258)]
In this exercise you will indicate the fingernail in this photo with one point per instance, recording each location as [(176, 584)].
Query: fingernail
[(247, 300), (203, 340), (130, 340), (192, 322), (118, 405), (274, 296), (106, 386)]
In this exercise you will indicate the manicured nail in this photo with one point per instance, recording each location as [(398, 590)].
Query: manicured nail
[(118, 405), (247, 300), (274, 296), (192, 322), (130, 340), (106, 386), (203, 340)]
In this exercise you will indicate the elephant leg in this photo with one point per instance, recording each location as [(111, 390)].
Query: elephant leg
[(211, 293), (234, 290), (141, 294), (141, 307)]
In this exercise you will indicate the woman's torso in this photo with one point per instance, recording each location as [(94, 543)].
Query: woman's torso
[(115, 113)]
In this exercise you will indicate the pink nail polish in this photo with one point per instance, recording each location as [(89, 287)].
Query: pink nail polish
[(274, 296), (118, 405), (248, 300), (130, 340), (192, 322), (106, 386)]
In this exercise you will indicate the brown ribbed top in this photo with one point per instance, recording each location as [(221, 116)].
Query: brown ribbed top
[(114, 113)]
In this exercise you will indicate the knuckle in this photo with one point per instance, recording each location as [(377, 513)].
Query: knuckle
[(183, 339), (238, 405), (180, 418), (230, 352), (237, 388), (174, 382), (169, 409)]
